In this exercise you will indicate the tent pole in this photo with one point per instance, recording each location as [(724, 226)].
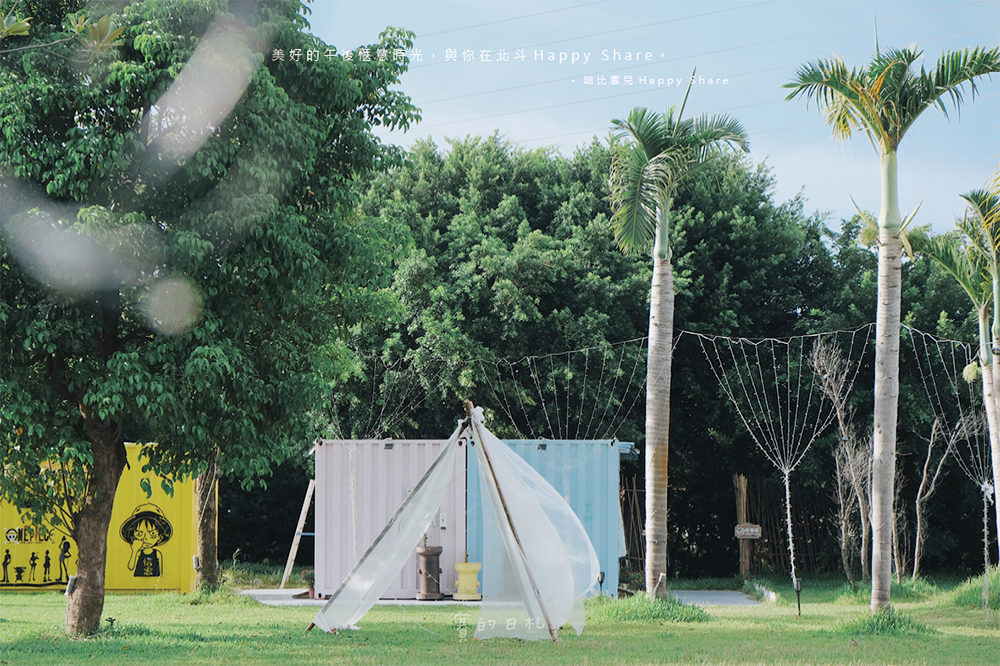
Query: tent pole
[(391, 525), (503, 503)]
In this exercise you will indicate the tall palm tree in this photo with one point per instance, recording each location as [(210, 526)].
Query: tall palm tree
[(984, 206), (884, 100), (970, 257), (652, 155)]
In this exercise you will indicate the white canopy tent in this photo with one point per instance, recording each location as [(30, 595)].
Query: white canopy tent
[(538, 563)]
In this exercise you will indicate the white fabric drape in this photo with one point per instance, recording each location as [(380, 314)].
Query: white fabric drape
[(538, 562), (381, 563)]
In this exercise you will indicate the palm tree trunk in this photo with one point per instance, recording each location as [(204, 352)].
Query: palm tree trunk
[(890, 283), (661, 332), (994, 425)]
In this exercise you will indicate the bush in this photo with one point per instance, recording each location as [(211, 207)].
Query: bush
[(640, 608), (908, 590), (970, 593), (883, 622)]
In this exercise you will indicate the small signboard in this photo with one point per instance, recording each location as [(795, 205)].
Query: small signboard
[(747, 531)]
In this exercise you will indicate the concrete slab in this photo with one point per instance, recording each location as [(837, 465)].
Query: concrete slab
[(272, 597), (713, 598)]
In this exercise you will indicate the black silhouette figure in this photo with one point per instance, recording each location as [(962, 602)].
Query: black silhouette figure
[(6, 561), (33, 560), (19, 574), (145, 529), (47, 569), (63, 556)]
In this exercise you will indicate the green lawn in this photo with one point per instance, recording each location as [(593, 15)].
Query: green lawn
[(228, 629)]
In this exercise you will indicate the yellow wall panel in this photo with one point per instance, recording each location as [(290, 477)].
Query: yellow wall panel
[(151, 541)]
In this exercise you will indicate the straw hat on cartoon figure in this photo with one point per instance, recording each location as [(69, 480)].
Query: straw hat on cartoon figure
[(146, 529)]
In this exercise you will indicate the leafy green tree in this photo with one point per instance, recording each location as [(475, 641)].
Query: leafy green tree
[(884, 100), (178, 249), (730, 237), (510, 259), (660, 151)]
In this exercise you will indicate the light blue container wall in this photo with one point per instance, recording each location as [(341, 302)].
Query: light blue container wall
[(585, 473)]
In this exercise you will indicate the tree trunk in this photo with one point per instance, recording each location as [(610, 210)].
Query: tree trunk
[(995, 432), (661, 330), (861, 482), (993, 423), (206, 490), (740, 484), (928, 485), (90, 530), (788, 525), (890, 282), (845, 502), (864, 511), (899, 540)]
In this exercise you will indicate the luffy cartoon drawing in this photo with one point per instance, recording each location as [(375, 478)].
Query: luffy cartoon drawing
[(146, 529)]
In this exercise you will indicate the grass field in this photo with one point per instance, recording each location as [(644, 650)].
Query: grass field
[(935, 624)]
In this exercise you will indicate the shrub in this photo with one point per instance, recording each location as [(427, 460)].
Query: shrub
[(883, 622), (640, 608), (908, 590), (970, 593)]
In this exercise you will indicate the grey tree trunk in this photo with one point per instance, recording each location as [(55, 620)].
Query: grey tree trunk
[(845, 507), (206, 490), (890, 283), (928, 485), (85, 604), (661, 331)]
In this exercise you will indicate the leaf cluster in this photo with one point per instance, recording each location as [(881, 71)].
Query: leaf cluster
[(174, 274)]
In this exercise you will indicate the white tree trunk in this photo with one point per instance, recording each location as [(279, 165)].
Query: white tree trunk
[(661, 332), (890, 283), (788, 525), (995, 423)]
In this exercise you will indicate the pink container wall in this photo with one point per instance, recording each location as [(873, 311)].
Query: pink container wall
[(359, 486)]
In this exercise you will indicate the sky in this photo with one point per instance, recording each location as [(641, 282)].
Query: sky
[(586, 62)]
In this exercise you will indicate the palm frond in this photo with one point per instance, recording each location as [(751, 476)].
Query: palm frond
[(888, 97), (843, 94), (652, 153), (957, 258), (718, 130), (982, 204), (634, 198)]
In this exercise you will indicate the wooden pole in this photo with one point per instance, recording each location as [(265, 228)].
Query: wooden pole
[(298, 534), (740, 484), (503, 503)]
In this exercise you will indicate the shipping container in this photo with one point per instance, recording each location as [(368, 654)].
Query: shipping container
[(361, 483), (359, 486), (152, 540), (586, 474)]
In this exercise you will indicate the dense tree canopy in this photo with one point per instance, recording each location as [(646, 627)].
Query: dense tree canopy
[(178, 247), (512, 258)]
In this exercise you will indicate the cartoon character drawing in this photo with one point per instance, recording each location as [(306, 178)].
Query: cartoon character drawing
[(63, 556), (146, 529), (47, 569), (33, 560), (6, 561)]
